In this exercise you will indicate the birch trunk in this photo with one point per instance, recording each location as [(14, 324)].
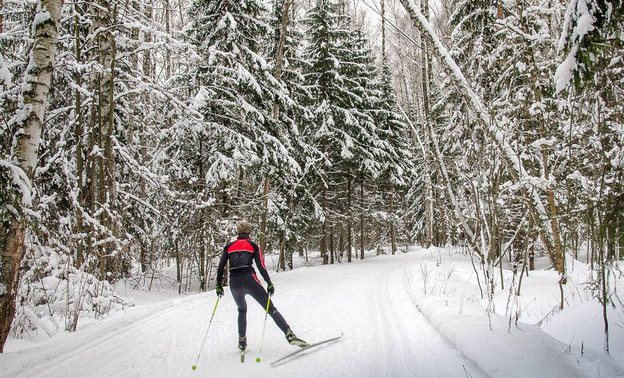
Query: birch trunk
[(427, 119), (30, 120)]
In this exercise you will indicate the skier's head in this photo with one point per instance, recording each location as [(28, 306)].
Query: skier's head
[(243, 227)]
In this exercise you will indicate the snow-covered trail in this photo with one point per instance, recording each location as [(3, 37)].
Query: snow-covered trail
[(384, 334)]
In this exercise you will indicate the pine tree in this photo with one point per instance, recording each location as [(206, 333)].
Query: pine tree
[(346, 101), (237, 89), (398, 165)]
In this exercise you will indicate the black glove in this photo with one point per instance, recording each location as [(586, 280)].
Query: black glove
[(271, 289), (219, 291)]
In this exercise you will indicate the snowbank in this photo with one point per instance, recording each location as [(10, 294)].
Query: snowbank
[(570, 347)]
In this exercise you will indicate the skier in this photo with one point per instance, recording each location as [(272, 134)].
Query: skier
[(243, 280)]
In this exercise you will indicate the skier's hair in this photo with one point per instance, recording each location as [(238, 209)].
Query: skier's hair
[(243, 227)]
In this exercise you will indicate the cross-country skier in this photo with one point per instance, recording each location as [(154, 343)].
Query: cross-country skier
[(243, 281)]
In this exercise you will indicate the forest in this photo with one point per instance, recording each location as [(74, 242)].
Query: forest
[(135, 134)]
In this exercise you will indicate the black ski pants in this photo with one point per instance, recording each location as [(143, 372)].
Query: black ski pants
[(248, 284)]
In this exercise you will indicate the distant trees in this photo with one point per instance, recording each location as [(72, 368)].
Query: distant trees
[(356, 129)]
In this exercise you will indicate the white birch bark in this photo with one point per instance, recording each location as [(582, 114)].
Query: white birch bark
[(36, 87), (29, 120)]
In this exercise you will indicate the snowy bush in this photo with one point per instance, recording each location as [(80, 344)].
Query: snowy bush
[(54, 295)]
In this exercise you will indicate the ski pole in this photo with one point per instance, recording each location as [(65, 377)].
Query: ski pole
[(206, 335), (263, 328)]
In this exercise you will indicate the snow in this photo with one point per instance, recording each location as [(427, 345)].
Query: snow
[(20, 180), (391, 327), (564, 72), (40, 18), (578, 11), (5, 74)]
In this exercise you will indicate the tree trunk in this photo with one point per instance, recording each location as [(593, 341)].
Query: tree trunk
[(263, 223), (392, 228), (30, 123), (426, 119), (341, 245), (202, 252), (202, 262), (383, 33), (324, 229), (12, 252), (146, 258), (282, 255), (332, 249), (167, 32), (279, 62), (79, 148), (362, 219), (106, 184), (349, 224), (178, 258), (555, 250)]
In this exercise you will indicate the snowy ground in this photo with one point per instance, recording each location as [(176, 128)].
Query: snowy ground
[(391, 328)]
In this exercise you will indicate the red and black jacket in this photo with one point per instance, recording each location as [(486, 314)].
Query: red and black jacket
[(241, 254)]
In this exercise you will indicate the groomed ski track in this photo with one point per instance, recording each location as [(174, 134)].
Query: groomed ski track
[(370, 301)]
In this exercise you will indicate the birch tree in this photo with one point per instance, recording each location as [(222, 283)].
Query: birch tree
[(30, 120)]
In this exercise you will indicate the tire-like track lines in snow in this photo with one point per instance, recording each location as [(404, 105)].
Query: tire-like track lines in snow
[(395, 354)]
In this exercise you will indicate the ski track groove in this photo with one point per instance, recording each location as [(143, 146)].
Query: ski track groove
[(69, 352), (393, 354)]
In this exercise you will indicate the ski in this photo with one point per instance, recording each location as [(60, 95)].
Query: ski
[(296, 353), (242, 356)]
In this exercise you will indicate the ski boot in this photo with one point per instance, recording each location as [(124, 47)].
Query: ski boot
[(242, 343), (294, 340)]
